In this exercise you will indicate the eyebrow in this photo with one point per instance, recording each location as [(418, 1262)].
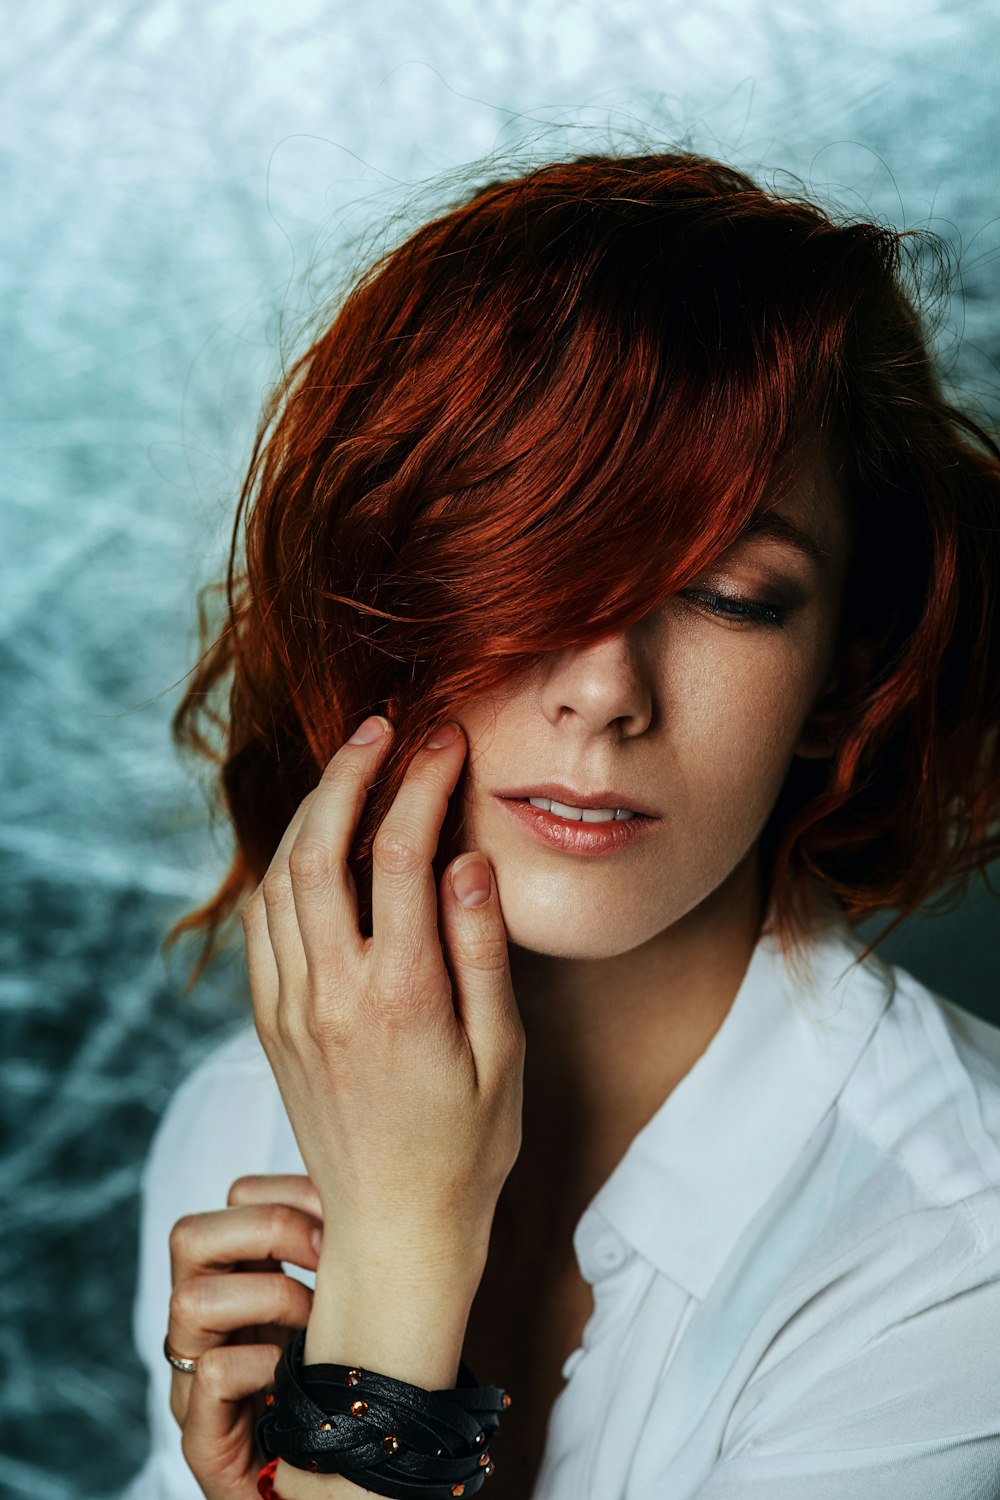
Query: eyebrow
[(770, 524)]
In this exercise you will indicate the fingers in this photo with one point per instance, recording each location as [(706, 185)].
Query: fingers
[(475, 941), (209, 1299), (305, 908), (217, 1241), (305, 911), (275, 958), (205, 1310), (217, 1438), (293, 1188), (404, 889), (323, 892), (271, 1219)]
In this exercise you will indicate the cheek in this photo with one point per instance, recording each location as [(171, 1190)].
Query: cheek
[(735, 716)]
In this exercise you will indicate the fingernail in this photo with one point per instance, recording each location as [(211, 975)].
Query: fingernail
[(470, 880), (442, 736), (316, 1236), (373, 728)]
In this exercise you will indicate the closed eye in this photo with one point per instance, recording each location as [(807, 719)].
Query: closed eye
[(736, 607)]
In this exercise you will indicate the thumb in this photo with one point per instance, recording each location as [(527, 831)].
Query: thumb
[(475, 941)]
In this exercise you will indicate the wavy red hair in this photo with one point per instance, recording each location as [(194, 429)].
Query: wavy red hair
[(539, 416)]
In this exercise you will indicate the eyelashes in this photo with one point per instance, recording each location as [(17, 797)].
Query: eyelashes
[(736, 607)]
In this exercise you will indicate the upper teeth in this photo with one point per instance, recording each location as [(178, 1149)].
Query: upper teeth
[(582, 814)]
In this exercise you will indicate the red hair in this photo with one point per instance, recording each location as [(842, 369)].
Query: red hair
[(536, 419)]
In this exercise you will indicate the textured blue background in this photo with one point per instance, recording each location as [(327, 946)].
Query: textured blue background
[(180, 183)]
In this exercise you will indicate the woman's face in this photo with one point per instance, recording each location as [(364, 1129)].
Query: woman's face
[(692, 714)]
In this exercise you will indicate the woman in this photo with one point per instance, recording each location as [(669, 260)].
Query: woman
[(636, 478)]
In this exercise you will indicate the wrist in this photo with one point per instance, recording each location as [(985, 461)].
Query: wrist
[(409, 1323), (406, 1253)]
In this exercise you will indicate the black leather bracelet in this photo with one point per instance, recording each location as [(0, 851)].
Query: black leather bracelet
[(386, 1435)]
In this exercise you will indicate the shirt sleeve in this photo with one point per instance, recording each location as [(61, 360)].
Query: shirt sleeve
[(914, 1413), (217, 1126)]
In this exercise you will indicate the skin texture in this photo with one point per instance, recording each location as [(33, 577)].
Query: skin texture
[(442, 1092), (400, 1062), (622, 962)]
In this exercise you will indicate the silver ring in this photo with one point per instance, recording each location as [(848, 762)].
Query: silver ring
[(186, 1366)]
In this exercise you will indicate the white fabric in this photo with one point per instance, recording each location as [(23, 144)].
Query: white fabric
[(796, 1263)]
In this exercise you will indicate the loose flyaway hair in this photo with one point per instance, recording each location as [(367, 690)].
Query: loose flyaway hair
[(542, 414)]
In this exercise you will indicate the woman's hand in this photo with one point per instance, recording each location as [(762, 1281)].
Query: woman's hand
[(234, 1310), (399, 1057)]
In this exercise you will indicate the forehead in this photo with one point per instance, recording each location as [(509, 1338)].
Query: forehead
[(809, 513)]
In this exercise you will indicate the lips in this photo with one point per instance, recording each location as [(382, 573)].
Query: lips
[(610, 837), (560, 792)]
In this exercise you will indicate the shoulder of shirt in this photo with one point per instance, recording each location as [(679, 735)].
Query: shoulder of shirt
[(893, 1233), (222, 1113), (220, 1123), (241, 1052), (926, 1094)]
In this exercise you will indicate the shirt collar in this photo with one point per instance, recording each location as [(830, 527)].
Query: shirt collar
[(727, 1133)]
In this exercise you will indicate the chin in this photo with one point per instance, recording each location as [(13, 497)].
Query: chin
[(576, 931)]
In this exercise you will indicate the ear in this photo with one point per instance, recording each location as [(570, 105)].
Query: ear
[(823, 728)]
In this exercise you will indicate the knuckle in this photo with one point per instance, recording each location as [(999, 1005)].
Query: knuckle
[(486, 951), (349, 767), (514, 1044), (322, 1028), (396, 852), (241, 1189), (289, 1298), (276, 887), (310, 863), (253, 908), (213, 1370), (404, 992), (181, 1232), (264, 1026), (333, 770), (281, 1222), (187, 1301), (328, 978), (390, 1006)]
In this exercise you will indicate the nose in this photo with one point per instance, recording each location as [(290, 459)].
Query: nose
[(602, 685)]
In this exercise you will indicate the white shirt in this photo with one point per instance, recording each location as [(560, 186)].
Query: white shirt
[(795, 1264)]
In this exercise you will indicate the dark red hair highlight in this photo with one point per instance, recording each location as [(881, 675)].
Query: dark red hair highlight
[(540, 416)]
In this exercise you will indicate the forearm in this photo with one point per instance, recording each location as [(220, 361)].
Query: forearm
[(409, 1327)]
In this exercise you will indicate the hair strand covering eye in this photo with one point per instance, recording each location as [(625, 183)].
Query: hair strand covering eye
[(543, 413)]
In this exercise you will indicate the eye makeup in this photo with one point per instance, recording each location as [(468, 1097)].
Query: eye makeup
[(737, 607), (772, 600)]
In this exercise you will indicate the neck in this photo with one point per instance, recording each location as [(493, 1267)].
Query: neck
[(607, 1041)]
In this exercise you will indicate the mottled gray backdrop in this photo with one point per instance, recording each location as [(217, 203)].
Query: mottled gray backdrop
[(180, 183)]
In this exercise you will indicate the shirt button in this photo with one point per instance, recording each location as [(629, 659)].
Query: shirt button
[(610, 1252), (603, 1255)]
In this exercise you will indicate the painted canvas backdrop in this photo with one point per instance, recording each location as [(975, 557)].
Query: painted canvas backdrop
[(181, 182)]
